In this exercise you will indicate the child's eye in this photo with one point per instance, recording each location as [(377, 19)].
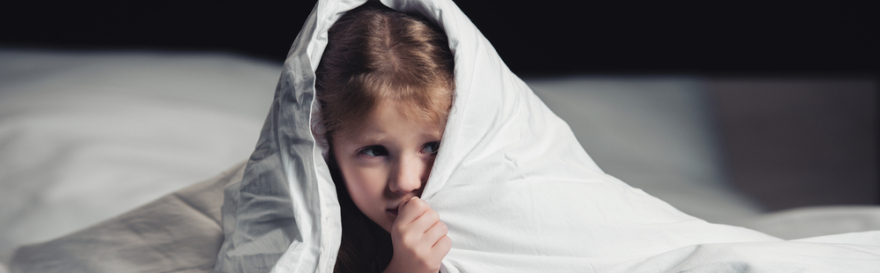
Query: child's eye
[(374, 151), (431, 147)]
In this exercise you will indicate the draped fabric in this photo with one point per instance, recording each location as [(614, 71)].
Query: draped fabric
[(515, 187)]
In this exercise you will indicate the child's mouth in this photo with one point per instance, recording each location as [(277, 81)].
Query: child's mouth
[(392, 211)]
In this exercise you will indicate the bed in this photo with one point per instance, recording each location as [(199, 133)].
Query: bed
[(86, 136)]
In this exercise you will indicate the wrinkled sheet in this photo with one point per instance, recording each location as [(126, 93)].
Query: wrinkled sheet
[(179, 232), (516, 189)]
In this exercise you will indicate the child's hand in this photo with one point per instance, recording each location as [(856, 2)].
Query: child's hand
[(419, 238)]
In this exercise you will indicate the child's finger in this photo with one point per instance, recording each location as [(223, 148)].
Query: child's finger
[(436, 232), (410, 210), (425, 222), (442, 247)]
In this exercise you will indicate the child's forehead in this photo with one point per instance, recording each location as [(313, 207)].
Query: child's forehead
[(392, 120)]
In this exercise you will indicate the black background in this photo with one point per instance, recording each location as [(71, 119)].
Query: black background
[(534, 38)]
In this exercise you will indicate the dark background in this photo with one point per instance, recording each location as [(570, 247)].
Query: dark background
[(792, 45), (708, 37)]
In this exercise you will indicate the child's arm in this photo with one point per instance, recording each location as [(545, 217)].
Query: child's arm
[(419, 239)]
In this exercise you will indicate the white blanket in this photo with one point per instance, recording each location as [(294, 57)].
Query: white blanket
[(517, 191)]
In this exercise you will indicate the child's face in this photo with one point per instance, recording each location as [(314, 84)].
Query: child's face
[(387, 161)]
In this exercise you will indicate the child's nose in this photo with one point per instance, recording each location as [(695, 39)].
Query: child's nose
[(409, 175)]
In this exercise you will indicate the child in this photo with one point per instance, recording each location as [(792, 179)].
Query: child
[(385, 85)]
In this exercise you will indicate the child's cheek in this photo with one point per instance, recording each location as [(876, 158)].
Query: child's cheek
[(371, 181)]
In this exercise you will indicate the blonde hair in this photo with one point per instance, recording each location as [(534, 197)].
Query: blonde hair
[(375, 54)]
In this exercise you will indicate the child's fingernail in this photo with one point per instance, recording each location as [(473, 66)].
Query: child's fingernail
[(407, 201)]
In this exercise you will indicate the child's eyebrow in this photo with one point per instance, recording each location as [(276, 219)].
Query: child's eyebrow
[(367, 137), (433, 134)]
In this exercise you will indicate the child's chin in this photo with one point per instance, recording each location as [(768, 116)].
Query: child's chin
[(387, 223), (386, 227)]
